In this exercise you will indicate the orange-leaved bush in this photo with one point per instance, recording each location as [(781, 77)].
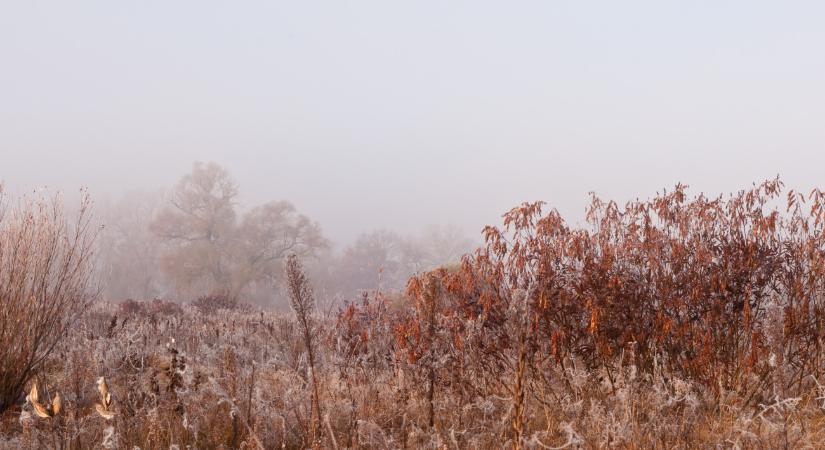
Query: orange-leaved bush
[(715, 290)]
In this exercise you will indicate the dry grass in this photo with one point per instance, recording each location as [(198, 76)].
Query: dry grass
[(235, 379)]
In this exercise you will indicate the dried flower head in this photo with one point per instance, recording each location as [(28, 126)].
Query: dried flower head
[(47, 410), (104, 407)]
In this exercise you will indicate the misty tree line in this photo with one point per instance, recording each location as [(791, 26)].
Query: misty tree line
[(193, 240)]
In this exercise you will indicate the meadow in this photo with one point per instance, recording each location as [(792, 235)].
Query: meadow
[(676, 322)]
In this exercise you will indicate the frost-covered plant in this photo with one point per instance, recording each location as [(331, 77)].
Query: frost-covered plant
[(45, 283)]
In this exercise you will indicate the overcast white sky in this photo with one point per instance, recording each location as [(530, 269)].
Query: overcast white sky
[(395, 114)]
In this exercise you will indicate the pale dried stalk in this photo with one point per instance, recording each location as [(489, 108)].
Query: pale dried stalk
[(303, 305)]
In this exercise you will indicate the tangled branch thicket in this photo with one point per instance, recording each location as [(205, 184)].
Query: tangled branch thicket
[(676, 322), (45, 275)]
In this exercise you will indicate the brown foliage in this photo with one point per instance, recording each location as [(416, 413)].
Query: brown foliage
[(702, 289)]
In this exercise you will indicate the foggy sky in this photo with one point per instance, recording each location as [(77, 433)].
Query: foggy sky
[(401, 114)]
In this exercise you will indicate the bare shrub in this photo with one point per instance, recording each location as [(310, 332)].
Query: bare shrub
[(212, 302), (154, 307), (132, 307), (45, 283)]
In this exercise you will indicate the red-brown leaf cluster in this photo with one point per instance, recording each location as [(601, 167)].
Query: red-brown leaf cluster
[(705, 288)]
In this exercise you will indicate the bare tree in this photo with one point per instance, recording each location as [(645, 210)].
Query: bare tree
[(197, 227), (384, 260), (376, 261), (129, 252), (210, 250), (266, 235), (436, 246), (46, 272)]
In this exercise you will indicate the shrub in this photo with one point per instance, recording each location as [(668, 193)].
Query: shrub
[(45, 281), (711, 290), (164, 308), (131, 307), (212, 302)]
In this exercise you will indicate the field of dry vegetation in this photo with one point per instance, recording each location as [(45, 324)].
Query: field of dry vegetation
[(678, 322)]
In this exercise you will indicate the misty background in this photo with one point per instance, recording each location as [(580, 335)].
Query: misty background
[(403, 117)]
